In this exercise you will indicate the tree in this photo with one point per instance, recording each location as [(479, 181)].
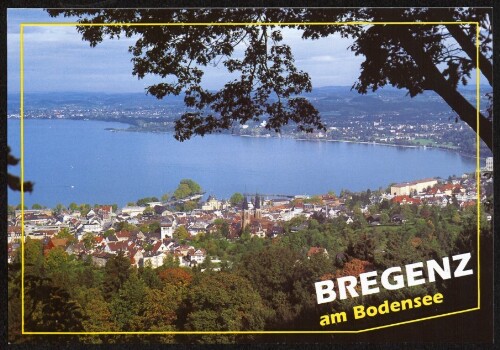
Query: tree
[(88, 240), (272, 271), (144, 201), (187, 188), (59, 208), (11, 210), (127, 304), (85, 208), (117, 271), (181, 233), (49, 308), (33, 256), (236, 199), (412, 57), (13, 181), (314, 200), (108, 233), (222, 228), (176, 275), (182, 191), (18, 207), (170, 261), (97, 313), (65, 233), (61, 268), (154, 226), (188, 206), (223, 302), (148, 211)]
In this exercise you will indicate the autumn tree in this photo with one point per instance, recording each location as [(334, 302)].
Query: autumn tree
[(416, 58), (97, 314), (176, 276)]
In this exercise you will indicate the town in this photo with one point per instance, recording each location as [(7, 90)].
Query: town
[(379, 119), (151, 232)]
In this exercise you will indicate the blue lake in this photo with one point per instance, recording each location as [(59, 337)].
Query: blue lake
[(80, 161)]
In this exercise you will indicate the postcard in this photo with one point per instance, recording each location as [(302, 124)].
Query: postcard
[(250, 175)]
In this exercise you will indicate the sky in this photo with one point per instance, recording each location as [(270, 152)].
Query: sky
[(56, 59)]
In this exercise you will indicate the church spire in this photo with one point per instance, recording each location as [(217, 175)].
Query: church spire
[(257, 201), (245, 203)]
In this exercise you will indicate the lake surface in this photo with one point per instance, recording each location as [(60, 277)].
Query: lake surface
[(80, 161)]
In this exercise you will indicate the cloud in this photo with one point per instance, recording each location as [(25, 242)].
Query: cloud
[(57, 59), (324, 58)]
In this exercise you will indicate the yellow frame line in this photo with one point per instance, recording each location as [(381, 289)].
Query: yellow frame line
[(478, 170), (74, 24), (21, 55), (256, 332), (253, 24)]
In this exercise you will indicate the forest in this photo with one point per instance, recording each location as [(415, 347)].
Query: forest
[(263, 284)]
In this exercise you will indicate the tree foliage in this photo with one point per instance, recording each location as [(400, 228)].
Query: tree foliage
[(117, 271), (13, 181), (187, 188), (181, 233), (236, 199), (223, 302), (267, 83), (144, 201), (267, 285)]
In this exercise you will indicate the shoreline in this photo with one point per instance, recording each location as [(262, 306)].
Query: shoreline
[(365, 143), (131, 127), (394, 145)]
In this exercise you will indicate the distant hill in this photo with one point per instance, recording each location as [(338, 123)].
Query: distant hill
[(331, 101)]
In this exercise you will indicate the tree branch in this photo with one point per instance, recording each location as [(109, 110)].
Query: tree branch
[(469, 48), (441, 86)]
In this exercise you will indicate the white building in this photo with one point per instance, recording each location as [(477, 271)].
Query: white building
[(154, 260), (212, 204), (167, 227), (133, 211), (199, 256), (489, 164), (406, 188)]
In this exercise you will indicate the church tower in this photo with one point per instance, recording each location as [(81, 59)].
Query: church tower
[(257, 211), (245, 214)]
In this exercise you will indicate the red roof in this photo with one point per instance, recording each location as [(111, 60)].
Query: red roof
[(107, 208), (116, 246), (315, 250), (14, 229), (447, 187), (156, 247), (406, 199), (468, 203), (122, 234)]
